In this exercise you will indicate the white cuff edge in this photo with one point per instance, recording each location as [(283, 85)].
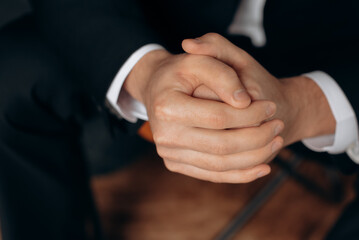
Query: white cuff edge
[(114, 90), (346, 132)]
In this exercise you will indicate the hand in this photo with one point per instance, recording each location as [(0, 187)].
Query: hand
[(201, 138), (301, 105)]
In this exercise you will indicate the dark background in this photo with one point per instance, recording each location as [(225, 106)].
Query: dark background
[(11, 9)]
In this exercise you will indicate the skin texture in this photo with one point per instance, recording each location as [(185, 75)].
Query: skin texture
[(301, 104), (216, 113), (227, 139)]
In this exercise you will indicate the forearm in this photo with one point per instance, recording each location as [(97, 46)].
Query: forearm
[(139, 76), (308, 108)]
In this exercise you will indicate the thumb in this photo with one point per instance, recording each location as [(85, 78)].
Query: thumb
[(220, 80)]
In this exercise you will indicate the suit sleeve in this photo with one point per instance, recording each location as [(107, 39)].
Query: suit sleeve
[(342, 64), (95, 37), (339, 50), (346, 72)]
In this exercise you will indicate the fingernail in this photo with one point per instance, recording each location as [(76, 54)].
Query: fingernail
[(276, 146), (278, 129), (241, 95), (261, 174), (270, 110), (197, 40)]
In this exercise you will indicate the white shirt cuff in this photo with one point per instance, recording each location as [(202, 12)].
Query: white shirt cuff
[(345, 137), (121, 102)]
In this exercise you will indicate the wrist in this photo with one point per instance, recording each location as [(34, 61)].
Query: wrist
[(308, 109), (137, 80)]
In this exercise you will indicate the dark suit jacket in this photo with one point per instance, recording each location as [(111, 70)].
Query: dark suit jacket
[(96, 37)]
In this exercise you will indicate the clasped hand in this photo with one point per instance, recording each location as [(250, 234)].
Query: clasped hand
[(215, 113)]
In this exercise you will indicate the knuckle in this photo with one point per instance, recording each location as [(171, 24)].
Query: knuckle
[(263, 140), (163, 140), (161, 152), (231, 72), (172, 167), (260, 112), (157, 138), (280, 140), (168, 136), (162, 110), (212, 37), (257, 120), (245, 58), (273, 107), (160, 138), (281, 124), (255, 92)]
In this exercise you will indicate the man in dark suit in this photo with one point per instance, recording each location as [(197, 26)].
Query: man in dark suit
[(78, 48)]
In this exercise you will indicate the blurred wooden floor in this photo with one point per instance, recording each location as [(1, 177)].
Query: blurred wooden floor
[(145, 201)]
